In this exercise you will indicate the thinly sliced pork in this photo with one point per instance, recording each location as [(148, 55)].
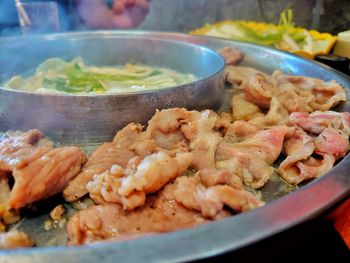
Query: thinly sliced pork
[(38, 169), (210, 201), (317, 121), (232, 56), (160, 214), (45, 176), (102, 159), (14, 239), (130, 186)]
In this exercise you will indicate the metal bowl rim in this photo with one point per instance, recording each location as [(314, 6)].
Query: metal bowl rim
[(215, 73)]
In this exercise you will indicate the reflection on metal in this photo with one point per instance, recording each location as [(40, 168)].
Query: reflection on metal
[(22, 14)]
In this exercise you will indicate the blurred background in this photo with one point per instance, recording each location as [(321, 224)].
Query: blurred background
[(330, 16)]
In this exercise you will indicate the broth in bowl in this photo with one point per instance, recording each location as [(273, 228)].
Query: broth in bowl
[(56, 75)]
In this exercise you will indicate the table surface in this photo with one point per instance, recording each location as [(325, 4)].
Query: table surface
[(341, 217), (324, 239)]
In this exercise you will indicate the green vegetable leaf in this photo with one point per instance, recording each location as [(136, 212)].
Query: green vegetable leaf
[(76, 77), (273, 37)]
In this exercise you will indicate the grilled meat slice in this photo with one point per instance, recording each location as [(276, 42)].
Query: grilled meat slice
[(14, 239), (161, 213), (102, 159), (45, 176)]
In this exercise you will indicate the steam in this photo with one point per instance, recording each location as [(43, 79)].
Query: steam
[(8, 18), (45, 16)]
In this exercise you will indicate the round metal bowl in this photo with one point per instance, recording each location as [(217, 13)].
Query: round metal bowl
[(229, 234), (95, 118)]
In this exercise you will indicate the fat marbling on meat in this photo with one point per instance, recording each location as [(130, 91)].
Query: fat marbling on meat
[(321, 137), (295, 93), (46, 176), (130, 186), (161, 213), (102, 159), (317, 121), (210, 201), (39, 171)]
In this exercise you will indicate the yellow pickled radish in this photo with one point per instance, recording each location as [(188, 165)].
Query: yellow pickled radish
[(342, 47)]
